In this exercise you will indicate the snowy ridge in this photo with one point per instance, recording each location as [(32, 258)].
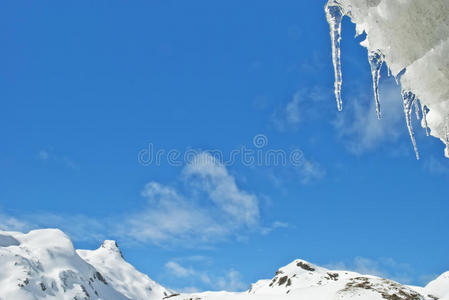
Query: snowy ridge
[(412, 38), (108, 259), (43, 264), (439, 288), (303, 280)]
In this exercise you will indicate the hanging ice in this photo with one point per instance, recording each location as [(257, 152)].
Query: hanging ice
[(412, 38), (447, 133), (409, 99), (425, 110), (334, 15), (376, 59), (417, 109)]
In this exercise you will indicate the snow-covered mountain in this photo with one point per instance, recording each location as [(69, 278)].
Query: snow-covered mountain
[(123, 277), (43, 264), (303, 280)]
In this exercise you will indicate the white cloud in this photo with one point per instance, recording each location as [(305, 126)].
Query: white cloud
[(206, 174), (289, 116), (170, 217), (274, 226), (78, 227), (382, 267), (210, 208), (9, 223), (311, 171), (43, 155), (187, 218), (230, 280), (358, 125), (303, 106), (177, 270), (292, 111), (189, 290), (436, 166), (426, 278), (50, 156), (368, 266)]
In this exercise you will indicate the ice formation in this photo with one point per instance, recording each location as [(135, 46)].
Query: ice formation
[(334, 15), (410, 100), (376, 61), (412, 38)]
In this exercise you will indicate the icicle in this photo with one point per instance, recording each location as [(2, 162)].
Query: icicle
[(408, 98), (417, 102), (376, 59), (425, 110), (447, 132), (334, 16), (398, 76)]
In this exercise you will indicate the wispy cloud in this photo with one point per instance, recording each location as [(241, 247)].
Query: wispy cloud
[(204, 206), (308, 172), (230, 280), (292, 111), (311, 171), (177, 270), (213, 208), (171, 218), (382, 267), (288, 116), (358, 125), (436, 166), (274, 226), (301, 107), (206, 174), (43, 155), (9, 223), (78, 227), (49, 156)]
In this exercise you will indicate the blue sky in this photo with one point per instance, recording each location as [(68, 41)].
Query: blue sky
[(87, 86)]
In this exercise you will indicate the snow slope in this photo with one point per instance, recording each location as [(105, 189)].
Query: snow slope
[(439, 288), (43, 264), (109, 261), (412, 38), (303, 280)]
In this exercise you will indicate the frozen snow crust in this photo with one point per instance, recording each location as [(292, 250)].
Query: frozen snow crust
[(412, 37)]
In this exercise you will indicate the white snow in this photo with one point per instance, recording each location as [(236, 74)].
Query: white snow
[(412, 38), (109, 261), (43, 264), (303, 280), (439, 287)]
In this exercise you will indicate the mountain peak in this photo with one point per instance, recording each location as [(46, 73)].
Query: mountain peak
[(111, 246), (305, 265), (300, 266)]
